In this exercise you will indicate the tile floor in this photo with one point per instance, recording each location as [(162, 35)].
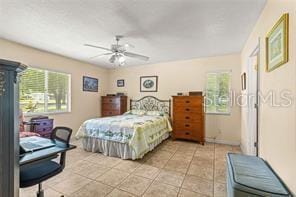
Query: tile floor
[(174, 168)]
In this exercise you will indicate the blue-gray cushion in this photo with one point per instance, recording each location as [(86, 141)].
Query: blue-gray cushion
[(252, 175)]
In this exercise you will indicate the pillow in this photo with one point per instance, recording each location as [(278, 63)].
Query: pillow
[(154, 113), (136, 112)]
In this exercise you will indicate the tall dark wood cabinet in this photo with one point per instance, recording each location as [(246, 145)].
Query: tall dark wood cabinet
[(9, 128), (188, 118), (113, 105)]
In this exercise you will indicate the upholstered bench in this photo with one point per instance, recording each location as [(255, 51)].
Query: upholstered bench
[(252, 176)]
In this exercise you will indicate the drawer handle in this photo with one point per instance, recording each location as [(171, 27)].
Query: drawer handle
[(187, 101), (43, 129), (187, 133), (187, 109), (187, 117), (187, 125), (110, 100), (110, 112), (44, 123)]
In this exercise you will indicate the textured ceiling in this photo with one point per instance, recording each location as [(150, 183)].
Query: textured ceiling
[(164, 30)]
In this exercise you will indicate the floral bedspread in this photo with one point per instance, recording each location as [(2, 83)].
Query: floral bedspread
[(136, 130)]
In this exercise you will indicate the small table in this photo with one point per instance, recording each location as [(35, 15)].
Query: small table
[(44, 154)]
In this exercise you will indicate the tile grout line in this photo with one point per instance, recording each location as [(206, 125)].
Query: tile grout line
[(199, 177), (186, 172), (127, 178), (160, 172), (122, 191), (131, 174), (148, 187), (90, 179), (154, 179)]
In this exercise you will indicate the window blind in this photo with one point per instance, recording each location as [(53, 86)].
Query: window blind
[(218, 92), (43, 91)]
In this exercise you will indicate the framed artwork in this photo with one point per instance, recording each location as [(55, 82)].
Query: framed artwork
[(120, 83), (148, 83), (244, 81), (90, 84), (277, 49)]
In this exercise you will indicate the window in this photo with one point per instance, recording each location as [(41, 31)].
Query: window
[(43, 91), (218, 92)]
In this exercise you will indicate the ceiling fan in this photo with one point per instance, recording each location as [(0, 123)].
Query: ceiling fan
[(118, 52)]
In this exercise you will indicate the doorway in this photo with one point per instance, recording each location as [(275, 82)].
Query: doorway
[(253, 101)]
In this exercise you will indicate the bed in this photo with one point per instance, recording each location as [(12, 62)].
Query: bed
[(131, 135)]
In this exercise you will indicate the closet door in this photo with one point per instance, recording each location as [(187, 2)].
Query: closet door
[(9, 128)]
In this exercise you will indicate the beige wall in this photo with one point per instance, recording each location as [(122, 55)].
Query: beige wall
[(184, 76), (277, 134), (174, 77), (85, 105)]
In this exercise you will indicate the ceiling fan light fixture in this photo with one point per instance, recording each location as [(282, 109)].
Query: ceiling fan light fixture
[(119, 52), (121, 59), (121, 63)]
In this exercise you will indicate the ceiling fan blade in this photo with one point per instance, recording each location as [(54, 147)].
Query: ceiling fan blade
[(128, 45), (133, 55), (90, 45), (112, 59), (100, 55)]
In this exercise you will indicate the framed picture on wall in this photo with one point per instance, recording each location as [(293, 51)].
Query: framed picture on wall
[(277, 49), (244, 81), (90, 84), (120, 83), (148, 83)]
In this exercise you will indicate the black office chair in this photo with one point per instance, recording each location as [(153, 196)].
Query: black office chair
[(37, 173)]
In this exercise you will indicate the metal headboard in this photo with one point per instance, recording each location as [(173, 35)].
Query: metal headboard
[(151, 103)]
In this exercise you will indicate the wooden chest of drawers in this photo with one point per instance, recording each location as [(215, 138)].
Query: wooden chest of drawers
[(188, 118), (113, 105)]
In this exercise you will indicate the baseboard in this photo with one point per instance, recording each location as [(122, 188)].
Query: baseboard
[(243, 148), (222, 142)]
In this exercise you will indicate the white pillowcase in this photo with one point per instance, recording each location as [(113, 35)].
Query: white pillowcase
[(154, 113), (136, 112)]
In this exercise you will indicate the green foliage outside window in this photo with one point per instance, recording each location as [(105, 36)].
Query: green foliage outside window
[(43, 91), (218, 92)]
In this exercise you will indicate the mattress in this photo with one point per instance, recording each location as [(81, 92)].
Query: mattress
[(129, 135)]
